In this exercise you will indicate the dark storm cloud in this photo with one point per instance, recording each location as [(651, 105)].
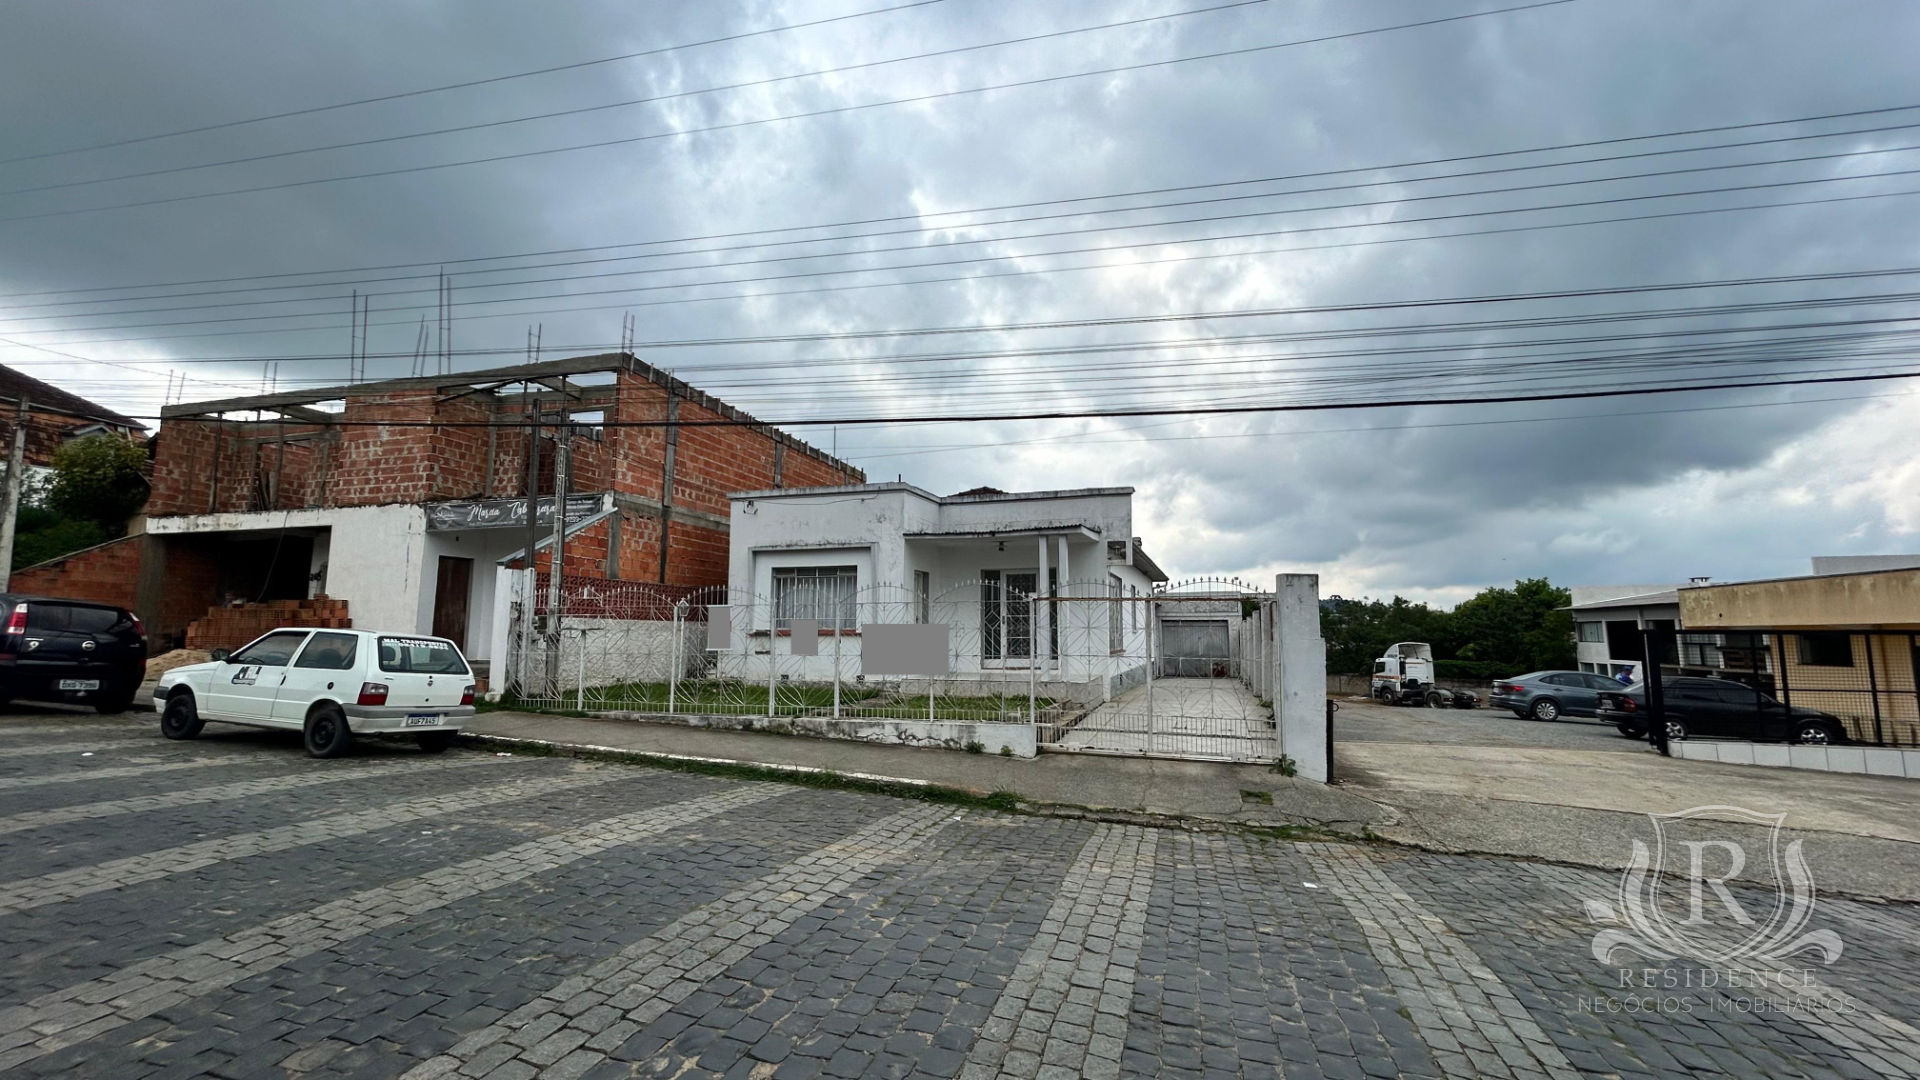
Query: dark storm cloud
[(1395, 505)]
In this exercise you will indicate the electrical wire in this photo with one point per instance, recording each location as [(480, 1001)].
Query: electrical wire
[(1611, 141), (490, 80), (808, 114)]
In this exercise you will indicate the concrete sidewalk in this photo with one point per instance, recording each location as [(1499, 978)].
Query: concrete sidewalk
[(1209, 791), (1562, 806), (1860, 833)]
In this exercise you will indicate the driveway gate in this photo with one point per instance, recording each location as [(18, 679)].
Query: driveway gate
[(1201, 687)]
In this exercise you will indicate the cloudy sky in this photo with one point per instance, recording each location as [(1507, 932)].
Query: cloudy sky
[(1336, 156)]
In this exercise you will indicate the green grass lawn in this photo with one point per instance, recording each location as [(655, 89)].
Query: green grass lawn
[(737, 696)]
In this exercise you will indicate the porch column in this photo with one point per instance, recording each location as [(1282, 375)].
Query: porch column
[(1040, 613), (1066, 644)]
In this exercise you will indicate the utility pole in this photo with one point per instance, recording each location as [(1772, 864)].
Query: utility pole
[(533, 539), (10, 512), (562, 480)]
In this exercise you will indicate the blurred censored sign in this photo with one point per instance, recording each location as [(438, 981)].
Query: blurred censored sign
[(903, 649)]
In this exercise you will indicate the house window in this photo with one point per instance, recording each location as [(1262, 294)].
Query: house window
[(1116, 626), (1134, 591), (814, 592), (1593, 631), (1826, 650), (922, 596), (1699, 650)]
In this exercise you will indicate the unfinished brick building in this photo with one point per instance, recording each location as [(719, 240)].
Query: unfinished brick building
[(403, 497)]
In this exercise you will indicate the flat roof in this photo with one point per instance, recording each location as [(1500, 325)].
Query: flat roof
[(1669, 596), (945, 500), (1805, 577)]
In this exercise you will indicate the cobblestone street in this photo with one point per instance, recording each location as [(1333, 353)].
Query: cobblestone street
[(231, 908)]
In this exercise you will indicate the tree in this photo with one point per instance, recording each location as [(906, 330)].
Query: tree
[(1498, 632), (98, 479), (1516, 630), (1358, 631)]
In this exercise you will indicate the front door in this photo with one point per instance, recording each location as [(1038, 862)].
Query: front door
[(450, 592)]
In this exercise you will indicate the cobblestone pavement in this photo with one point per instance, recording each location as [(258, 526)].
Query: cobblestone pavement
[(230, 908)]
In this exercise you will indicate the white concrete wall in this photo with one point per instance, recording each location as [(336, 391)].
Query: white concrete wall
[(870, 521), (1300, 674), (374, 556), (1867, 760), (486, 547)]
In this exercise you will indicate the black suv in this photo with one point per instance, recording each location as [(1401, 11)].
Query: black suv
[(71, 651), (1719, 708)]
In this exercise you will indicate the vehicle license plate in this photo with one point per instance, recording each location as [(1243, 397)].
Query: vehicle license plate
[(422, 719), (79, 684)]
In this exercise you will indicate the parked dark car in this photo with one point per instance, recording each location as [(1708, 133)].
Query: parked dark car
[(1549, 695), (72, 651), (1719, 708)]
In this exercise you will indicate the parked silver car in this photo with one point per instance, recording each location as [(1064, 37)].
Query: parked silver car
[(1549, 695)]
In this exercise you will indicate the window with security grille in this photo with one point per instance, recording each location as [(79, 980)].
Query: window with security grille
[(1116, 629), (825, 593)]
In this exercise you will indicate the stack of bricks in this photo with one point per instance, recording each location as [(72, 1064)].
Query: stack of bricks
[(232, 627)]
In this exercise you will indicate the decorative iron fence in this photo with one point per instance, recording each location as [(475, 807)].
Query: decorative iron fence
[(1185, 672)]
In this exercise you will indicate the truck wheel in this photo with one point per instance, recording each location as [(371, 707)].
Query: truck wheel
[(1545, 709), (434, 742), (1434, 702), (181, 719), (327, 733)]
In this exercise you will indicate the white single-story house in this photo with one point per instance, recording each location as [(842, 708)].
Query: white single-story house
[(1034, 586)]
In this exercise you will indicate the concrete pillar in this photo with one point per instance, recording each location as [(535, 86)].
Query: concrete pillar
[(1300, 674), (1040, 612), (1066, 642)]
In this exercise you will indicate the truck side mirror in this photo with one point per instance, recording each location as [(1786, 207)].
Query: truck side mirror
[(220, 655)]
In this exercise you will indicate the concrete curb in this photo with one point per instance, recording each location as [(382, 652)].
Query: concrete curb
[(1330, 831)]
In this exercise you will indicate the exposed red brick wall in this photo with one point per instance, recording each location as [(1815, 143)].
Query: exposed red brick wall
[(696, 555), (232, 627), (108, 573), (393, 461), (192, 581)]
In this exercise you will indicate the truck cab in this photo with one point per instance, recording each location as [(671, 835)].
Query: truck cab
[(1404, 676)]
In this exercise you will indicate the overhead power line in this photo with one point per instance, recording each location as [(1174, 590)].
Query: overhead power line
[(1099, 414), (1130, 263), (653, 100), (1393, 166), (1077, 231), (488, 81), (808, 114)]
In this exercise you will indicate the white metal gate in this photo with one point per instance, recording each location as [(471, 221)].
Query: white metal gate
[(1202, 688)]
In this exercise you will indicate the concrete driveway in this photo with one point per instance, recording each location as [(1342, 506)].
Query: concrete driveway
[(1575, 791), (1184, 718)]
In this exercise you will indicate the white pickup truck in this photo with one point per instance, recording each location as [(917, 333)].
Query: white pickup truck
[(328, 684)]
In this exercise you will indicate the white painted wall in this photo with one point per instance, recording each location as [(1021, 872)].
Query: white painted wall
[(486, 547), (373, 554), (1300, 675)]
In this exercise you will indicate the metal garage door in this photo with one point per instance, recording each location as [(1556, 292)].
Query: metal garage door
[(1195, 649)]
